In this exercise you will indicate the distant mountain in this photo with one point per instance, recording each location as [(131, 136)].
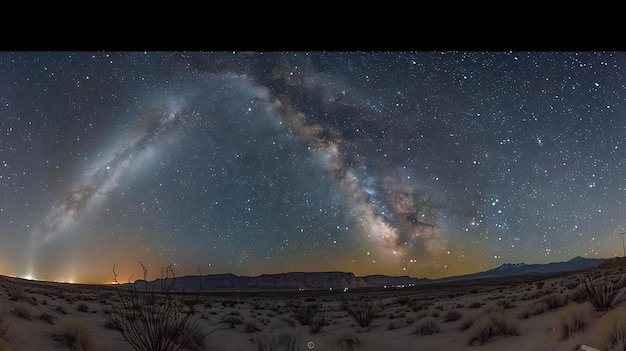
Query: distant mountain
[(342, 280), (291, 280), (575, 264)]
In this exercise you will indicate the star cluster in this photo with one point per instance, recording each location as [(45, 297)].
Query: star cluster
[(426, 164)]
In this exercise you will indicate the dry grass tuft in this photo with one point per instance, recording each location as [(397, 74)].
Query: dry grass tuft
[(282, 341), (364, 311), (485, 327), (349, 343), (22, 310), (452, 315), (427, 326), (572, 319), (75, 335), (611, 330)]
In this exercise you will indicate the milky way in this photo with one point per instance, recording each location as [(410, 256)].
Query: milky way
[(157, 127), (413, 163)]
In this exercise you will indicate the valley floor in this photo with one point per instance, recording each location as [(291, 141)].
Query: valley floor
[(518, 314)]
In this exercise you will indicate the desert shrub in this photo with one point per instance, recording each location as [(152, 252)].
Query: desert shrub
[(421, 315), (232, 320), (536, 308), (452, 315), (191, 303), (15, 294), (489, 325), (427, 326), (251, 327), (304, 312), (572, 284), (602, 291), (466, 324), (504, 303), (281, 341), (75, 335), (194, 340), (22, 310), (364, 312), (611, 330), (475, 304), (571, 320), (60, 309), (46, 317), (553, 301), (152, 318), (416, 306), (403, 300), (82, 307), (349, 342), (317, 323)]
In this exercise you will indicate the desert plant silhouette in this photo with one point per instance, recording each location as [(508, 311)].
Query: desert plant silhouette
[(603, 291), (153, 318)]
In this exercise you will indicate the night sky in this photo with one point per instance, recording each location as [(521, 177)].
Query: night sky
[(426, 164)]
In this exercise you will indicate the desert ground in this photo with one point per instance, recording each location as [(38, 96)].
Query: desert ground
[(517, 313)]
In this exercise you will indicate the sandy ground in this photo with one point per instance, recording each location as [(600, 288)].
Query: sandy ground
[(34, 316)]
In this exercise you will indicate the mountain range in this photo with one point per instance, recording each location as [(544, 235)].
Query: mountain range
[(347, 280), (508, 269)]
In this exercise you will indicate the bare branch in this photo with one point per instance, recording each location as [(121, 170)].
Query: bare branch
[(155, 320)]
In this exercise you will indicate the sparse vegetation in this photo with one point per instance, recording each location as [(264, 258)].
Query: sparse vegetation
[(268, 320), (305, 312), (82, 307), (452, 315), (572, 319), (427, 326), (152, 319), (60, 309), (251, 327), (349, 343), (364, 311), (534, 309), (611, 330), (602, 290), (46, 317), (232, 321), (489, 325), (75, 335), (475, 304), (317, 323), (553, 301), (22, 310), (282, 341)]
